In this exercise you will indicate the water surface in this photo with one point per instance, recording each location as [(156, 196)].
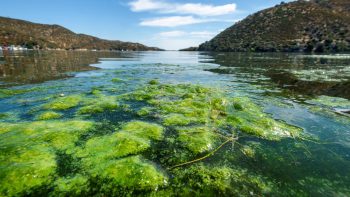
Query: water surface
[(307, 91)]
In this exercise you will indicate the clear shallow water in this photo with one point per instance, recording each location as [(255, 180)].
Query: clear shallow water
[(287, 86)]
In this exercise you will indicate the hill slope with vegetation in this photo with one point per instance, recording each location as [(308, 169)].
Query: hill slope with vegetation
[(20, 32), (308, 26)]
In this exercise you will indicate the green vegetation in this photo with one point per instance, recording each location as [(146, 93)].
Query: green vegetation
[(48, 115), (197, 139), (223, 181), (153, 82), (145, 111), (176, 120), (181, 126), (311, 26), (10, 92), (25, 170), (181, 105), (19, 32), (64, 103), (116, 80), (98, 104), (143, 130), (328, 101), (71, 186), (130, 174)]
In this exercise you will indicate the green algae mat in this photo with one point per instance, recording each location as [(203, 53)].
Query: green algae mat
[(172, 130), (161, 151)]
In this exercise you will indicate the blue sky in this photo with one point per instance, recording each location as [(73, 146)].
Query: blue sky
[(168, 24)]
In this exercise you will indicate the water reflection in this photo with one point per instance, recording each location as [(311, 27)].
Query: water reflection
[(39, 66), (302, 74)]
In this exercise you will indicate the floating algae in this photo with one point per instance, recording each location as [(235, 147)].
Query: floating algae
[(48, 115)]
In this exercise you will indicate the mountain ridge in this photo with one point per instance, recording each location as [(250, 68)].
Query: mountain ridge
[(298, 26), (45, 36)]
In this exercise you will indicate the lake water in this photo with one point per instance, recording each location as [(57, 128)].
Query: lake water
[(311, 92)]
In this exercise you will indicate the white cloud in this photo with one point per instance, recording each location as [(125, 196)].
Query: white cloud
[(193, 34), (168, 34), (146, 5), (172, 21), (186, 8)]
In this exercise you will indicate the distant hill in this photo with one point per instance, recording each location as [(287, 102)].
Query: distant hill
[(20, 32), (308, 26)]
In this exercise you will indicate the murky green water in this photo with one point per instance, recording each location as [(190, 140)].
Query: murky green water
[(68, 124)]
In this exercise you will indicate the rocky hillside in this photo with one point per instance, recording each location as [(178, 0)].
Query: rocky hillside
[(19, 32), (308, 26)]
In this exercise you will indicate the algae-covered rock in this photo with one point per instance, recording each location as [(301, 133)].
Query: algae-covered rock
[(26, 170), (144, 130), (103, 149), (64, 103), (153, 82), (71, 186), (176, 120), (99, 104), (184, 104), (329, 101), (247, 117), (48, 115), (132, 173), (197, 139), (4, 93), (218, 181), (145, 111), (116, 80), (61, 135)]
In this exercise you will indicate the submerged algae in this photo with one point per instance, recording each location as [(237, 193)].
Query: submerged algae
[(130, 174), (60, 135), (4, 93), (219, 180), (181, 105), (176, 120), (144, 130), (64, 103), (197, 139), (332, 102), (192, 117), (99, 104), (106, 148), (26, 170), (48, 115), (71, 186), (249, 118)]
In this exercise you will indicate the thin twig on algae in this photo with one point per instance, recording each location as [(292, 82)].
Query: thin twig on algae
[(231, 139)]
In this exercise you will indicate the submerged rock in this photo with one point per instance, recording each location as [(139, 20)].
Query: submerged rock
[(64, 103), (26, 170), (48, 115)]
